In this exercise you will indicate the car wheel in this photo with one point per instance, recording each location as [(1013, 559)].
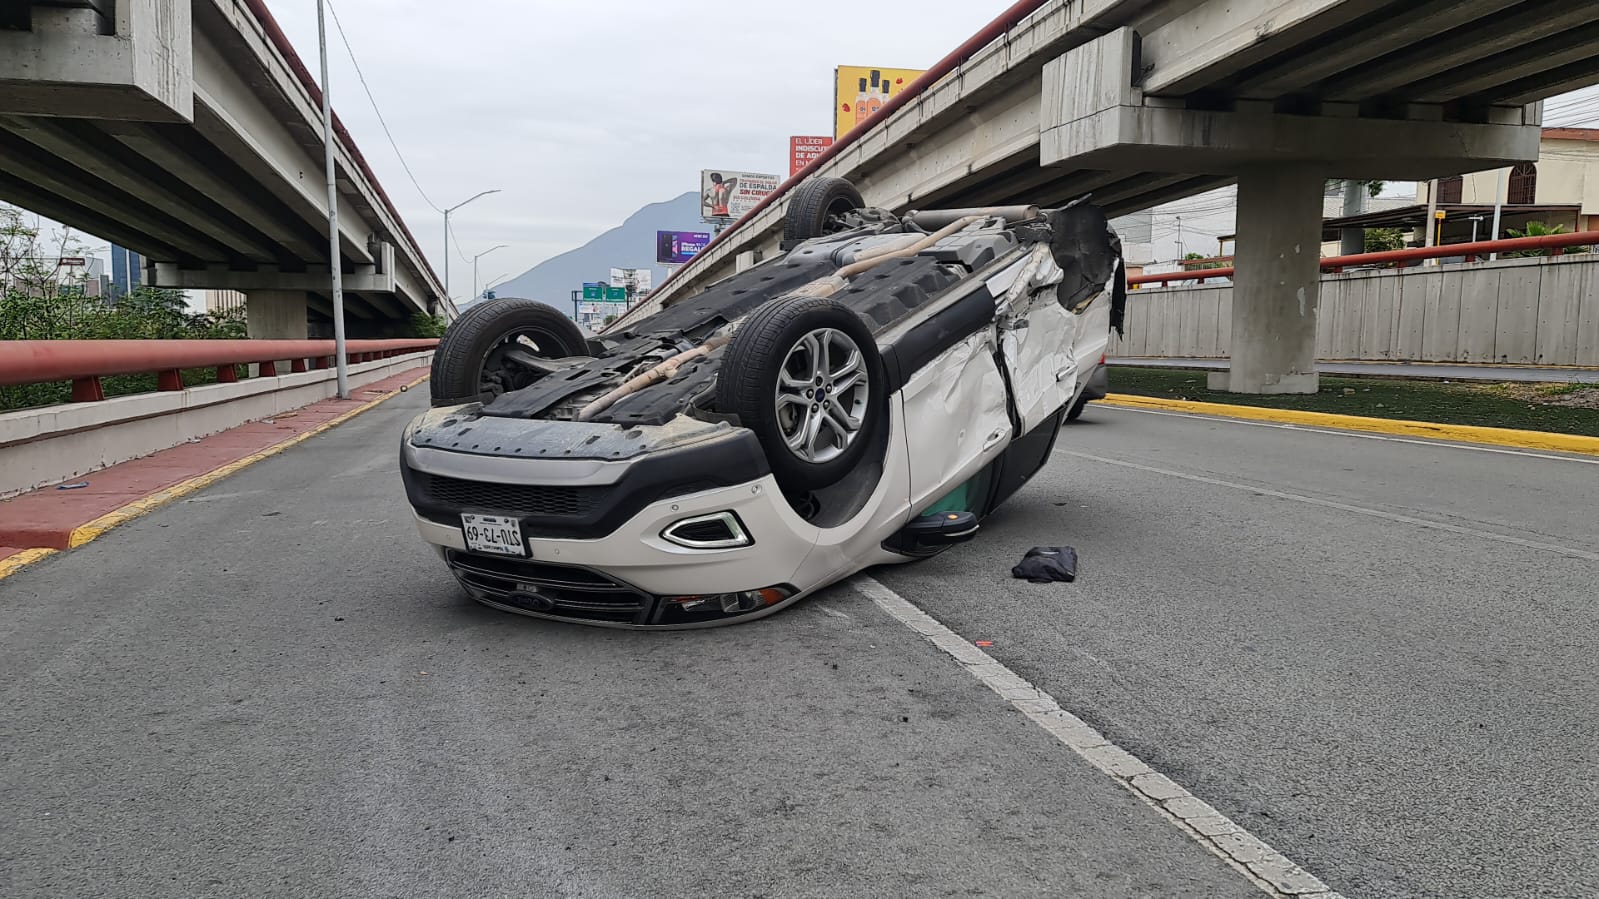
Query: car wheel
[(804, 374), (815, 208), (1077, 407), (476, 360)]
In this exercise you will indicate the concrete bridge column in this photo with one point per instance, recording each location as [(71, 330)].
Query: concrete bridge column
[(1275, 290), (276, 314)]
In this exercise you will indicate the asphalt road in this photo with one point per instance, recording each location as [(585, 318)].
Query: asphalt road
[(1375, 654)]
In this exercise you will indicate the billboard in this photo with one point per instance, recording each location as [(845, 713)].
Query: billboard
[(636, 279), (860, 91), (678, 247), (725, 194), (802, 150)]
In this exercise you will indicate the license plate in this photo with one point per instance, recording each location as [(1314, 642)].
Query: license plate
[(493, 534)]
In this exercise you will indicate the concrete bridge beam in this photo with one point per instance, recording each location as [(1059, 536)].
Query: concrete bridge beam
[(1094, 115), (75, 63), (362, 278)]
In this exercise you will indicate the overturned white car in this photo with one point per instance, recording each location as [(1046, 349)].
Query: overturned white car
[(866, 397)]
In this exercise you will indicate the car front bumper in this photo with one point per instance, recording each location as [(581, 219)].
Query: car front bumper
[(593, 527), (634, 577)]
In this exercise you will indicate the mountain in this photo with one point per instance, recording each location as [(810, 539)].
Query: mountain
[(629, 245)]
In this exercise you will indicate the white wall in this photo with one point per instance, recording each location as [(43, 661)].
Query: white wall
[(1535, 311)]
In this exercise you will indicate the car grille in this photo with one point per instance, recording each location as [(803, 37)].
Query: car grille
[(562, 591), (520, 500)]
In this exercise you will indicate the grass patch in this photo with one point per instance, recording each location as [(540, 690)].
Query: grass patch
[(1557, 408)]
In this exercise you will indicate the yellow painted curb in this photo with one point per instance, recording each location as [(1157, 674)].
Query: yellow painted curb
[(93, 529), (1538, 440), (12, 564)]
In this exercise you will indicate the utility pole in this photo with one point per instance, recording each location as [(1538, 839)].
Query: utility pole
[(335, 266), (1352, 240), (1500, 177), (1432, 211)]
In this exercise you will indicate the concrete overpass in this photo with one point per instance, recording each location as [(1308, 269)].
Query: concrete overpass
[(190, 131), (1139, 102)]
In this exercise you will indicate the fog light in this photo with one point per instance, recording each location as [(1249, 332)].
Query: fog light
[(718, 530)]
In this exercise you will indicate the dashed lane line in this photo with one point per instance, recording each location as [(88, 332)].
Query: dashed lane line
[(1265, 867), (1570, 551)]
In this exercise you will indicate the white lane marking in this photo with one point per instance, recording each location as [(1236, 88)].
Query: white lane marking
[(1334, 432), (1264, 866), (1345, 507)]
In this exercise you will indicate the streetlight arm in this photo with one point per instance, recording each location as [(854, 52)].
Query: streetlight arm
[(470, 199)]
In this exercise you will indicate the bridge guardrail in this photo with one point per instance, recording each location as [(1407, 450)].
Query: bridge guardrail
[(85, 362), (1556, 242)]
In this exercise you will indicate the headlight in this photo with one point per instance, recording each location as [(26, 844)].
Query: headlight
[(718, 530), (730, 603)]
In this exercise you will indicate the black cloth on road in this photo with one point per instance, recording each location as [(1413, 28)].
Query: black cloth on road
[(1046, 564)]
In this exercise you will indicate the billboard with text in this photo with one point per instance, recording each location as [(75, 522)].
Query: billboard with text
[(727, 194), (860, 91), (802, 151), (678, 247)]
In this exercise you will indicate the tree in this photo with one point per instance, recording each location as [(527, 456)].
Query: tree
[(1373, 188), (1189, 258), (1539, 229), (608, 319), (424, 325), (1380, 240), (29, 263)]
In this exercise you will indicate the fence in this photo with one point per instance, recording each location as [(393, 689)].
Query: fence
[(1535, 310), (46, 444)]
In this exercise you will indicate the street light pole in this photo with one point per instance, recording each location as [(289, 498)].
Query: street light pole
[(474, 267), (340, 357), (447, 233)]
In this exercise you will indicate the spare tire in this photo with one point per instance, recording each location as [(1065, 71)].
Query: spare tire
[(804, 374), (816, 206), (472, 362)]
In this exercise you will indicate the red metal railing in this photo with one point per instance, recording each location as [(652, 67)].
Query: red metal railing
[(85, 362), (1006, 20), (1471, 250)]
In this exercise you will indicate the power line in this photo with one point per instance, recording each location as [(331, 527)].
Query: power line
[(373, 100)]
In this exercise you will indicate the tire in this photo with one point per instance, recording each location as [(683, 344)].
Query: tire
[(770, 372), (468, 366), (1077, 407), (814, 209)]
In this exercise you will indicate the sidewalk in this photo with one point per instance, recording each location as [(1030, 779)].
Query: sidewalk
[(56, 518), (1448, 371)]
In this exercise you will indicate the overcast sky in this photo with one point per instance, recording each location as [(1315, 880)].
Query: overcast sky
[(581, 112)]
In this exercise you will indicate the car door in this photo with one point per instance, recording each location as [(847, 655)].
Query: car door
[(1038, 340), (956, 419)]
